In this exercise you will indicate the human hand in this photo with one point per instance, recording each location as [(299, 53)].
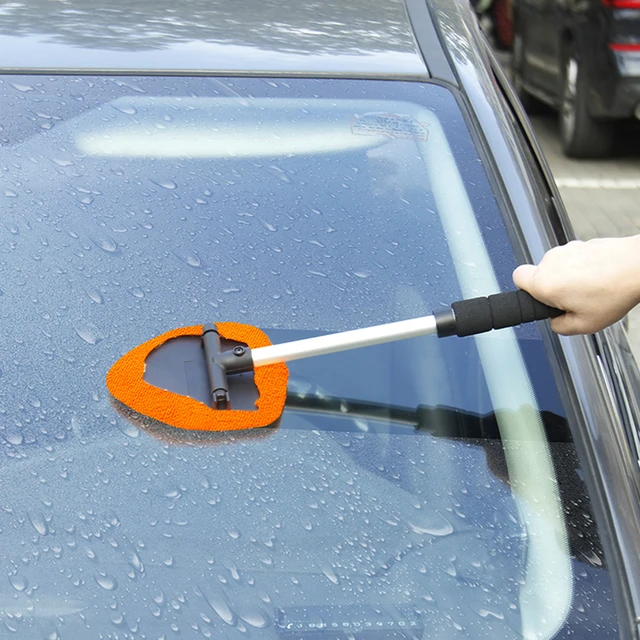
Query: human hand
[(596, 282)]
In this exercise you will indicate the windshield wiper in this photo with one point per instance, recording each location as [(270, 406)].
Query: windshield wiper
[(439, 420)]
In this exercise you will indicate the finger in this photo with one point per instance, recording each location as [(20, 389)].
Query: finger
[(523, 276), (568, 324)]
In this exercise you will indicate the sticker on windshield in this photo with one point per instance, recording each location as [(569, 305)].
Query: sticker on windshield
[(391, 125)]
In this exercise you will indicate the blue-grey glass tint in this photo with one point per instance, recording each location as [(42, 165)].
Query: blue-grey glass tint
[(123, 217)]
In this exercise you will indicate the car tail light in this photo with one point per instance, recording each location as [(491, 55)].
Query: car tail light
[(624, 46), (622, 4)]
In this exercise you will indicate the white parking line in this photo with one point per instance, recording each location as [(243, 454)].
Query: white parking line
[(597, 183)]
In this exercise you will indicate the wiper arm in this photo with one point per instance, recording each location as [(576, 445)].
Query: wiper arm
[(439, 420)]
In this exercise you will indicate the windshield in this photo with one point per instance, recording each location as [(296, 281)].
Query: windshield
[(132, 206)]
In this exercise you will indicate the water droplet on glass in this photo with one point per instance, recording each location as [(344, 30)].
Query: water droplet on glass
[(136, 292), (437, 526), (14, 438), (39, 524), (450, 569), (106, 581), (10, 193), (19, 583), (329, 573), (106, 244), (117, 618), (220, 606), (166, 184), (233, 570), (192, 259), (254, 616), (268, 225), (128, 429), (127, 109), (136, 562), (23, 88), (594, 559), (484, 613), (95, 295), (89, 333), (62, 163)]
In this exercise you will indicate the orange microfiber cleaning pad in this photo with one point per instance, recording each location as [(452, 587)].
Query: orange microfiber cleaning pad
[(126, 383)]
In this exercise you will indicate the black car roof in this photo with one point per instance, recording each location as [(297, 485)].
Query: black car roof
[(269, 36)]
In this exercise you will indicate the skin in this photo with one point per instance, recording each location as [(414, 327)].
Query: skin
[(596, 282)]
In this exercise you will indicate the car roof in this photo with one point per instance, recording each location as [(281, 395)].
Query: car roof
[(366, 37)]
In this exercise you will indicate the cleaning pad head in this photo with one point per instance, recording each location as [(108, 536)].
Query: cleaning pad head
[(259, 396)]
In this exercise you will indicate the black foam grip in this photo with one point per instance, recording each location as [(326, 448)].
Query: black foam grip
[(502, 310)]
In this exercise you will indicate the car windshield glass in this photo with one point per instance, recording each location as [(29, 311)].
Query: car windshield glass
[(417, 489)]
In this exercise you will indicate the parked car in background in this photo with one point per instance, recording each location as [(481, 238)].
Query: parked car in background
[(305, 168), (582, 58), (497, 14)]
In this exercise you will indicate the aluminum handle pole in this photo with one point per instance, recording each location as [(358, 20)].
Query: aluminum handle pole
[(322, 345)]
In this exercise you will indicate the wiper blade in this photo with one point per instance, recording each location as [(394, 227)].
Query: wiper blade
[(438, 420)]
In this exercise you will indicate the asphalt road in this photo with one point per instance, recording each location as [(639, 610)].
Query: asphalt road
[(601, 196)]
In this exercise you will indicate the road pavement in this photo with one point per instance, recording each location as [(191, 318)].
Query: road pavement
[(602, 197)]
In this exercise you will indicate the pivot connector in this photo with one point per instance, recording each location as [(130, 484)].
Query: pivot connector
[(222, 363)]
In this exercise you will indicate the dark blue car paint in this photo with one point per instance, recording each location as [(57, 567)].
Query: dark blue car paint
[(610, 468)]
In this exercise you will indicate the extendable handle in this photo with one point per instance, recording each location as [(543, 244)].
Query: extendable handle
[(464, 318), (478, 315)]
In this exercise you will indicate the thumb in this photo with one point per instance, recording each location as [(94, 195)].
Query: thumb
[(523, 276), (568, 324)]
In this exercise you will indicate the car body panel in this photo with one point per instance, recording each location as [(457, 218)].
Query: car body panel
[(249, 36)]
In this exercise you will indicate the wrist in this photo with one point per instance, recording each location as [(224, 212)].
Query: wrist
[(632, 279)]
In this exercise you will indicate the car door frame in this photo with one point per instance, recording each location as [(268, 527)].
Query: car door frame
[(592, 371), (536, 220)]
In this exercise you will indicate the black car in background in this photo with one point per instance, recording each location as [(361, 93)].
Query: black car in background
[(583, 58)]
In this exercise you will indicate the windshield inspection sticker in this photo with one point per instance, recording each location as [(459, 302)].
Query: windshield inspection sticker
[(391, 125)]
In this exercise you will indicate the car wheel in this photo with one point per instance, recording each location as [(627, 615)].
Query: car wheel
[(582, 135), (531, 105)]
